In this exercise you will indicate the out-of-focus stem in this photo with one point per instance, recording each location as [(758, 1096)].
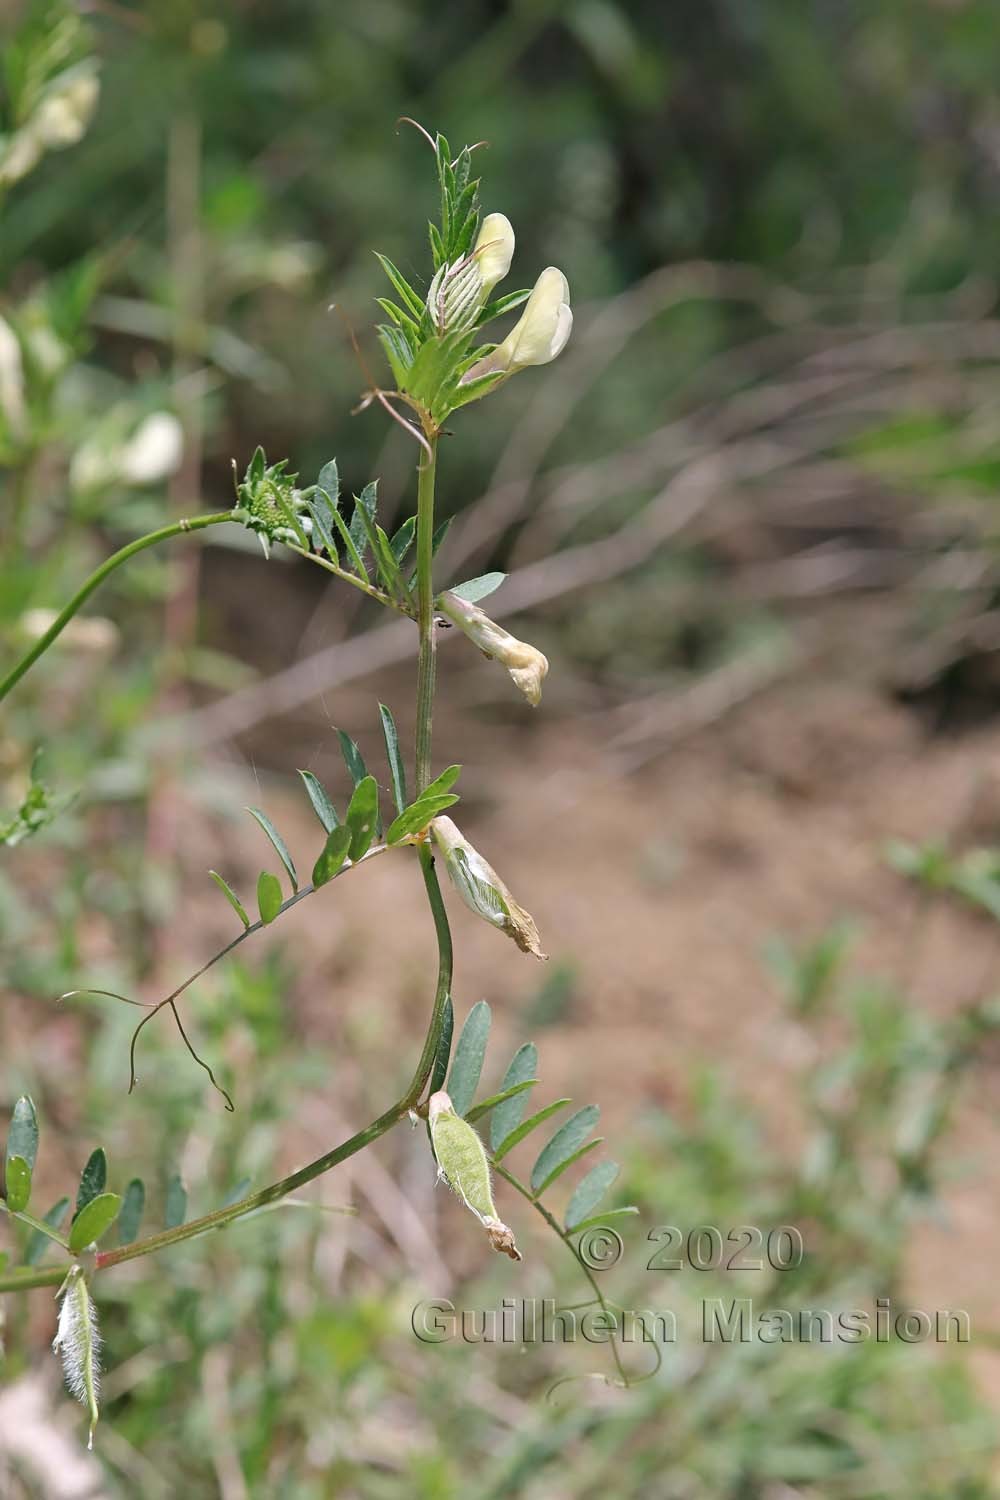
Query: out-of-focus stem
[(178, 528)]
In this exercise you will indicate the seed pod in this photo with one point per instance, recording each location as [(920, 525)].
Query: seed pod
[(461, 1159), (481, 888), (78, 1340)]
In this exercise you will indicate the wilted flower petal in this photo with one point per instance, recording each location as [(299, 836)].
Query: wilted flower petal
[(482, 890), (525, 663)]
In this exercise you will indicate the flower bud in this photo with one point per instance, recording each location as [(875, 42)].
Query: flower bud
[(458, 291), (526, 664), (461, 1159), (494, 250), (481, 888)]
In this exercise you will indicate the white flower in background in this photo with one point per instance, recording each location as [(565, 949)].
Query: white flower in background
[(67, 108), (481, 888), (526, 664), (154, 450), (60, 120), (458, 291), (90, 633), (11, 380)]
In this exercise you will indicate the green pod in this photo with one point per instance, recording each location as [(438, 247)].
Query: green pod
[(462, 1162)]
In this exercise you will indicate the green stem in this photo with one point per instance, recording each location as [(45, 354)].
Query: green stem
[(178, 528), (426, 475)]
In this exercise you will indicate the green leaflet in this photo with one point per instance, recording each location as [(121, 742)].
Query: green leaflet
[(470, 1050), (18, 1184), (589, 1192), (93, 1221), (440, 1069), (130, 1217), (269, 899), (417, 816), (564, 1145), (322, 806), (483, 1108), (92, 1179), (508, 1115), (362, 817), (604, 1218), (531, 1123), (397, 770), (278, 844), (331, 861), (39, 1240), (474, 589), (231, 897), (353, 759), (22, 1136), (176, 1204)]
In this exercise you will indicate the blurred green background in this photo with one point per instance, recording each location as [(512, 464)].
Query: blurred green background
[(750, 516)]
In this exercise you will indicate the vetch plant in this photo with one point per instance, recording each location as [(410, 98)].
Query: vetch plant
[(441, 359)]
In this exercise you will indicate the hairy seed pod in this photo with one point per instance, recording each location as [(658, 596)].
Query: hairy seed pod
[(461, 1159), (78, 1340)]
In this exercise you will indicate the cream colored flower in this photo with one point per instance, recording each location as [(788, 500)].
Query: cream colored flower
[(481, 888), (526, 664), (543, 329)]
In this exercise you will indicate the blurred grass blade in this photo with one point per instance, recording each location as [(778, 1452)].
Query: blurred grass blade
[(130, 1217), (278, 843), (397, 770), (564, 1145), (320, 800), (507, 1116), (470, 1050), (231, 897), (589, 1192)]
